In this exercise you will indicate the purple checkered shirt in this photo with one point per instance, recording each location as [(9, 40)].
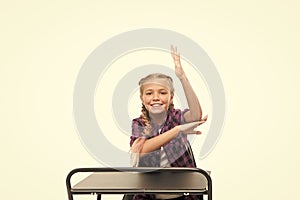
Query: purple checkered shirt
[(178, 150)]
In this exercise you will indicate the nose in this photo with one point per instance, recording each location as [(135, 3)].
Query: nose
[(155, 97)]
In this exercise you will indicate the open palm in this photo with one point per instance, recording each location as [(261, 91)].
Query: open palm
[(176, 58)]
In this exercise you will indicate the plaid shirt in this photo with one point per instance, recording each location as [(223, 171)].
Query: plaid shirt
[(178, 150)]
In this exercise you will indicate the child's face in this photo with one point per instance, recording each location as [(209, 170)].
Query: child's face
[(156, 98)]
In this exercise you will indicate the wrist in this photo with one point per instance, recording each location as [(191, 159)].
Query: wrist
[(183, 78), (177, 130)]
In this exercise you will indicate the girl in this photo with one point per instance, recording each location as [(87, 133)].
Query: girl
[(159, 135)]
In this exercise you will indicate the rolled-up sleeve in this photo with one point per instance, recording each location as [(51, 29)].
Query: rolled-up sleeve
[(137, 130), (182, 120)]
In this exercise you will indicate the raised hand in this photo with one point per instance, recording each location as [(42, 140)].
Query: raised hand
[(176, 58)]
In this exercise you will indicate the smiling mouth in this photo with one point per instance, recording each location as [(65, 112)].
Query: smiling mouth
[(156, 105)]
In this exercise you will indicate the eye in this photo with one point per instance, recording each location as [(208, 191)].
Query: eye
[(148, 93), (163, 92)]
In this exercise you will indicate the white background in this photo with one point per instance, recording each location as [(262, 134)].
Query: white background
[(254, 45)]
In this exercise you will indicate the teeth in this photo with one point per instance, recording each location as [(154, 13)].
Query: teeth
[(155, 105)]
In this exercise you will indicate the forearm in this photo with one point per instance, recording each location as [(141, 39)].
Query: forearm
[(156, 142), (192, 99)]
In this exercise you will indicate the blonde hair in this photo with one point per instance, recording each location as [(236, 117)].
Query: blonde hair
[(168, 81), (139, 142)]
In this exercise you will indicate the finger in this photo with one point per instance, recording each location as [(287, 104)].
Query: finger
[(198, 132), (195, 124), (172, 48), (204, 118), (173, 54), (192, 124), (178, 57), (193, 132), (202, 122), (199, 122)]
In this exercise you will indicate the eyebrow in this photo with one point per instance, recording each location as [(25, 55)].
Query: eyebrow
[(158, 89)]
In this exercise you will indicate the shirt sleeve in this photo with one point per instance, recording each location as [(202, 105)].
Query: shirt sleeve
[(182, 121), (137, 130)]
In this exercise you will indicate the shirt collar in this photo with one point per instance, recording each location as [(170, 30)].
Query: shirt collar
[(167, 121)]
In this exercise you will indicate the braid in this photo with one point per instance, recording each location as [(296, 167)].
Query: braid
[(139, 142), (171, 106), (146, 119)]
